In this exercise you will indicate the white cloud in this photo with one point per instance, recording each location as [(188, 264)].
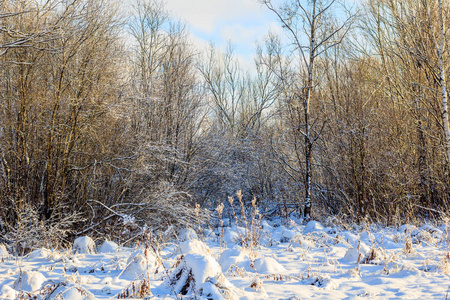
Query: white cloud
[(243, 22), (206, 15), (241, 33)]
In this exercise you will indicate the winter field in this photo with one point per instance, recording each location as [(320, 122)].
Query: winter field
[(268, 261)]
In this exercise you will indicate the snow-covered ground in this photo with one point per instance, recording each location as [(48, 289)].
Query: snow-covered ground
[(287, 262)]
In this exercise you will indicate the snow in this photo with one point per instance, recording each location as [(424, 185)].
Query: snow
[(352, 255), (313, 226), (266, 226), (3, 252), (7, 292), (203, 267), (139, 265), (29, 281), (108, 247), (287, 235), (84, 245), (187, 234), (68, 291), (294, 261), (233, 257), (201, 274), (268, 265), (207, 232), (42, 253), (230, 236), (193, 246)]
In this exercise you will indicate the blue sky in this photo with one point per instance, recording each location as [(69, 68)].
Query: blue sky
[(243, 22)]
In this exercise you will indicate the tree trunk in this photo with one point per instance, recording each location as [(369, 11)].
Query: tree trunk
[(306, 102), (308, 150), (442, 79)]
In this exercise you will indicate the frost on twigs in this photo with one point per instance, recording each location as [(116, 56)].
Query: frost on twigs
[(31, 232)]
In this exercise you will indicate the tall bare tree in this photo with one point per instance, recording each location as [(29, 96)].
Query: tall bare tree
[(440, 42), (408, 38), (311, 32), (58, 87), (165, 107)]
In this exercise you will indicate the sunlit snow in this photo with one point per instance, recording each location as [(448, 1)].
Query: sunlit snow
[(292, 261)]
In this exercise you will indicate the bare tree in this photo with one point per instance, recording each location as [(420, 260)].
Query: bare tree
[(440, 41), (227, 85), (165, 110), (311, 34), (39, 37), (407, 36), (58, 88)]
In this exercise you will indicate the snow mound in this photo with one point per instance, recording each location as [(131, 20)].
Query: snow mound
[(70, 291), (367, 237), (84, 245), (139, 264), (350, 237), (203, 267), (7, 292), (29, 281), (108, 247), (268, 265), (301, 242), (432, 229), (235, 234), (199, 274), (230, 236), (324, 282), (193, 246), (187, 234), (208, 232), (312, 226), (330, 230), (40, 253), (287, 235), (407, 228), (3, 252), (266, 226), (232, 256), (352, 253)]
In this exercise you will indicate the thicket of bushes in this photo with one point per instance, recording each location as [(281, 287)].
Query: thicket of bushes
[(103, 121)]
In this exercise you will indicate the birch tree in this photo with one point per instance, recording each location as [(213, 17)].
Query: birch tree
[(439, 40), (410, 39), (311, 32)]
